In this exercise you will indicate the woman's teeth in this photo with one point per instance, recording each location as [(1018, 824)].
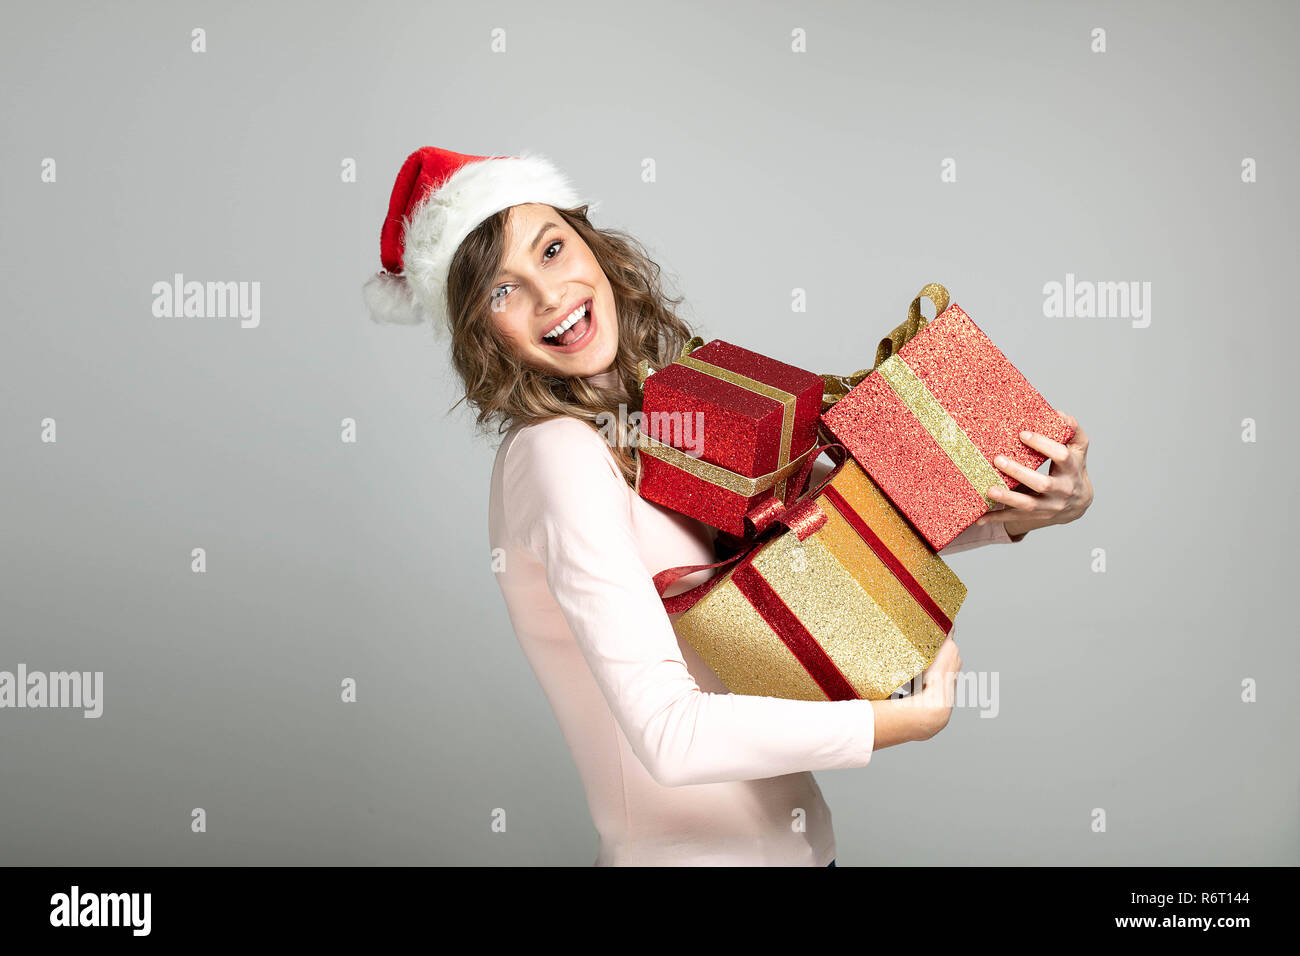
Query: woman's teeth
[(559, 335)]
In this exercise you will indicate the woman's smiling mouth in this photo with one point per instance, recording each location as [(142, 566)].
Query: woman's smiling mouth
[(574, 331)]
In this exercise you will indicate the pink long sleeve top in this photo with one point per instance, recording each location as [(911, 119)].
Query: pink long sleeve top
[(677, 770)]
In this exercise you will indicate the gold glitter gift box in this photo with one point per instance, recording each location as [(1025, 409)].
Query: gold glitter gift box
[(848, 603)]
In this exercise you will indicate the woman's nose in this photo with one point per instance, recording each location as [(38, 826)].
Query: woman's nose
[(553, 301)]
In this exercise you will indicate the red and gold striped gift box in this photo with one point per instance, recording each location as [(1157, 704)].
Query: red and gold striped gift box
[(854, 610), (754, 417), (927, 422)]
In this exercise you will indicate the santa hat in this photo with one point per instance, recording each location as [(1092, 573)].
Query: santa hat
[(439, 198)]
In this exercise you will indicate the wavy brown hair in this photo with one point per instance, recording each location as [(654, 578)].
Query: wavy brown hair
[(506, 392)]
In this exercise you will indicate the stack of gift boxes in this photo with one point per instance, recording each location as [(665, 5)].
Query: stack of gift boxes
[(836, 591)]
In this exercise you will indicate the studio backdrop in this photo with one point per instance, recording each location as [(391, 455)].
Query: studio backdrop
[(258, 534)]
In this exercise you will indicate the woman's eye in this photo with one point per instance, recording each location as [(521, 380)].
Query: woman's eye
[(501, 291)]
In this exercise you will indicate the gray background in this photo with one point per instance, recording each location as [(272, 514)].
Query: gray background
[(775, 171)]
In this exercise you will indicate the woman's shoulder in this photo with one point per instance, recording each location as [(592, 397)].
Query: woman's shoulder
[(558, 472), (562, 443), (559, 436), (559, 428)]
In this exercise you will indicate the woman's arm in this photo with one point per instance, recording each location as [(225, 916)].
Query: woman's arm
[(567, 504), (976, 536)]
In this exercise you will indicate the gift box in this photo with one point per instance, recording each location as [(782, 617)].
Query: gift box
[(724, 430), (848, 603), (940, 405)]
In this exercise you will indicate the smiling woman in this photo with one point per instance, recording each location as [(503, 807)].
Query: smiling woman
[(549, 318), (498, 251), (549, 308)]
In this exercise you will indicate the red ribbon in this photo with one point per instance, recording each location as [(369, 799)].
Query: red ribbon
[(793, 634), (888, 558), (803, 518)]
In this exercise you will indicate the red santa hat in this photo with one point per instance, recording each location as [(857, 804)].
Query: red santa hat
[(438, 200)]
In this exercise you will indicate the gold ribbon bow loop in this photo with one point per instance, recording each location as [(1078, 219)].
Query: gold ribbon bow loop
[(837, 386), (904, 333)]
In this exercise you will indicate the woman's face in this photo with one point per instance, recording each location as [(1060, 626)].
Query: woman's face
[(550, 279)]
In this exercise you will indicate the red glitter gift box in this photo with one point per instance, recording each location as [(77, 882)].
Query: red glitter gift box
[(723, 430), (941, 403)]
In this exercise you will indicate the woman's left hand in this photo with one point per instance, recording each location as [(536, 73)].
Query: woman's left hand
[(1058, 497)]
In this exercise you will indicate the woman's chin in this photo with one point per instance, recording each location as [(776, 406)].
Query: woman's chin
[(584, 369)]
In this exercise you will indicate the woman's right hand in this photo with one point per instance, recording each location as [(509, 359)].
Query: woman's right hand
[(925, 713), (938, 690)]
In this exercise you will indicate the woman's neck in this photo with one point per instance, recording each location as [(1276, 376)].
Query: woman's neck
[(605, 379)]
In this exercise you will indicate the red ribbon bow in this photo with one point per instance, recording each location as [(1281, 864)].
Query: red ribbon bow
[(804, 517)]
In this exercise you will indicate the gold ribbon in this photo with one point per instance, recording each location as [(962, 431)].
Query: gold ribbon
[(643, 369), (920, 401), (945, 431), (837, 386), (716, 474)]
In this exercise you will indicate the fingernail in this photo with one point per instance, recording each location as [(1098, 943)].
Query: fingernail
[(1025, 434)]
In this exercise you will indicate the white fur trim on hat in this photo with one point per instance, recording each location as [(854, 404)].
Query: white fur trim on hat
[(437, 227)]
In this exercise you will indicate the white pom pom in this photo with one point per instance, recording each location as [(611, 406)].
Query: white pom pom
[(388, 298)]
